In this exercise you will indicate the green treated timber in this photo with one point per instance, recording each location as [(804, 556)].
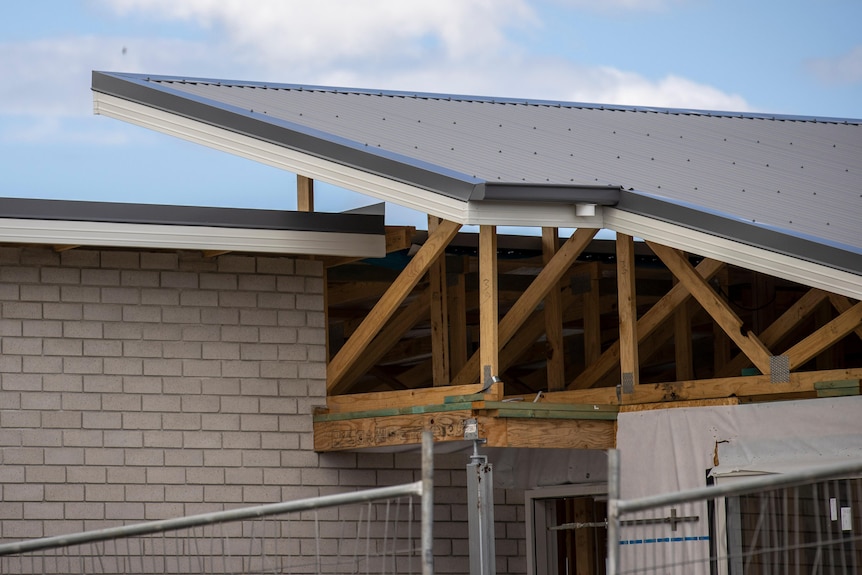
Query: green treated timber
[(556, 407), (463, 398), (554, 414), (392, 411), (838, 384)]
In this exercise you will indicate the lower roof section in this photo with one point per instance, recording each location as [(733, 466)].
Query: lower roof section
[(108, 224)]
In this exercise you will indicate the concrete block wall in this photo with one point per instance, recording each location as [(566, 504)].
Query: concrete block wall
[(139, 385)]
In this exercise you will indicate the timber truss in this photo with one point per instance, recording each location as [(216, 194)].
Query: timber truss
[(542, 341)]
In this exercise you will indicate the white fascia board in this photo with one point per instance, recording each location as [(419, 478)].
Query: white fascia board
[(735, 253), (529, 214), (373, 185), (57, 232)]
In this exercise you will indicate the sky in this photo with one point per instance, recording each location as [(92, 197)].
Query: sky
[(799, 57)]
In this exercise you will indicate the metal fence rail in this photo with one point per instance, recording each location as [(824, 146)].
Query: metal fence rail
[(801, 522), (370, 531)]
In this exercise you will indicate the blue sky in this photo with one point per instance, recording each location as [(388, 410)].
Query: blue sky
[(790, 57)]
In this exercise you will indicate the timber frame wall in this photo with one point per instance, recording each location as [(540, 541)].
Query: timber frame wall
[(543, 341)]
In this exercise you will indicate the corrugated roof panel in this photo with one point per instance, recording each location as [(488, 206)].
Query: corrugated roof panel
[(794, 174)]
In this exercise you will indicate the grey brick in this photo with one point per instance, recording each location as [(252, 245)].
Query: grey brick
[(62, 382), (161, 403), (98, 347), (37, 292), (201, 333), (261, 494), (23, 529), (281, 476), (283, 405), (23, 492), (139, 278), (159, 261), (121, 295), (12, 474), (103, 312), (236, 264), (63, 311), (120, 330), (181, 421), (280, 335), (159, 438), (80, 401), (279, 441), (204, 476), (42, 438), (219, 350), (19, 275), (142, 313), (240, 405), (231, 368), (95, 457), (220, 386), (220, 421), (145, 457), (120, 259), (40, 401), (278, 370), (80, 510), (102, 383), (145, 384), (11, 363), (177, 279), (64, 346), (203, 298), (89, 365), (180, 315), (218, 281), (182, 385), (200, 404), (166, 475), (21, 346), (123, 438), (64, 456), (41, 364), (134, 348), (222, 458), (11, 327), (241, 440), (256, 282), (125, 511), (42, 510), (82, 438), (20, 418), (22, 310), (80, 294), (142, 421), (163, 367), (80, 258), (311, 335), (280, 266), (62, 420), (292, 318), (237, 299), (41, 328), (243, 476), (123, 366), (83, 329), (261, 458), (220, 316), (184, 493), (201, 368), (9, 292), (64, 492), (277, 300), (161, 296), (306, 267), (314, 286), (104, 492), (121, 402), (45, 474), (23, 456), (291, 284), (223, 493), (251, 387), (100, 277)]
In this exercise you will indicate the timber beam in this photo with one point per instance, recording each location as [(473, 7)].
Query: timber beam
[(500, 424)]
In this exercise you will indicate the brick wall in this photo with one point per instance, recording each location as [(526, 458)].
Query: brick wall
[(138, 385)]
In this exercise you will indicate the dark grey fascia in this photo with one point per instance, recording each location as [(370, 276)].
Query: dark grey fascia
[(137, 88), (115, 212), (811, 249), (552, 193)]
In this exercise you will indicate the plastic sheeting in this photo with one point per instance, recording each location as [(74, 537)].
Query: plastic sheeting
[(673, 449)]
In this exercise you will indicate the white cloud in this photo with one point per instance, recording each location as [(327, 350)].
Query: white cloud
[(619, 6), (312, 34), (845, 69)]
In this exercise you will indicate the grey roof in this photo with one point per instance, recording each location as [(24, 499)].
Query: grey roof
[(790, 184)]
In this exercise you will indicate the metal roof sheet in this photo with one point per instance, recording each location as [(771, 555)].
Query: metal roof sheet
[(789, 175)]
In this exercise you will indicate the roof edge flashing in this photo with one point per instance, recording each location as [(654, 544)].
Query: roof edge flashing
[(553, 193)]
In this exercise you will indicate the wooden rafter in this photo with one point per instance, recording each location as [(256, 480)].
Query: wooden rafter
[(825, 337), (646, 325), (771, 336), (403, 321), (842, 304), (553, 315), (457, 294), (388, 304), (682, 343), (538, 289), (592, 317), (714, 305)]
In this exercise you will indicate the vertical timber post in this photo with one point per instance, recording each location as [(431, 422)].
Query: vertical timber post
[(480, 514), (427, 503)]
